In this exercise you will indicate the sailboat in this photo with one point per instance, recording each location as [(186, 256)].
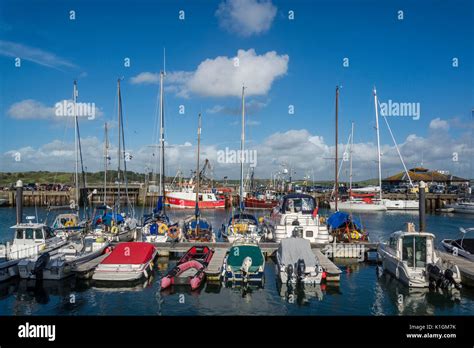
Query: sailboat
[(70, 224), (157, 226), (242, 224), (365, 203), (113, 224), (195, 227)]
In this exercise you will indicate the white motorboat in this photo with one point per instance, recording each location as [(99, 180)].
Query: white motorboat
[(62, 262), (463, 247), (411, 257), (358, 205), (129, 261), (31, 239), (297, 263), (297, 214), (400, 204), (462, 207)]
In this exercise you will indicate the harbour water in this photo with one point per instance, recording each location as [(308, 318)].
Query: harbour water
[(361, 291)]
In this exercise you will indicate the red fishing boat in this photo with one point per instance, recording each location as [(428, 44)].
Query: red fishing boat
[(190, 268)]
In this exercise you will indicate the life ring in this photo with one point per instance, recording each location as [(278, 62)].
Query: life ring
[(355, 235), (163, 229), (70, 223), (114, 230), (173, 232)]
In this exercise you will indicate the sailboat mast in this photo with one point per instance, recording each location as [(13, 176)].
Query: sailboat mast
[(378, 143), (242, 142), (119, 154), (197, 165), (336, 183), (76, 146), (106, 158), (162, 140), (350, 159)]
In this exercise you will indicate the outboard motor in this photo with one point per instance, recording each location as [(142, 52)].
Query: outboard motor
[(289, 272), (246, 264), (300, 269), (40, 265), (298, 231), (441, 280)]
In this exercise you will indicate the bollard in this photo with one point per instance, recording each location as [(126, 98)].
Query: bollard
[(19, 202), (422, 209)]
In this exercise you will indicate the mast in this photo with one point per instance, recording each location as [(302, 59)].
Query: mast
[(119, 98), (378, 144), (106, 158), (336, 184), (242, 141), (350, 159), (162, 142), (76, 146), (197, 166)]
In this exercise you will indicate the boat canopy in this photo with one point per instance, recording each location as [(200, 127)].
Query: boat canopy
[(293, 249), (237, 257), (243, 216), (203, 224), (107, 219), (298, 202), (135, 253), (340, 219)]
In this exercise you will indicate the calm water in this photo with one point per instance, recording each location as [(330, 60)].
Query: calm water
[(360, 291)]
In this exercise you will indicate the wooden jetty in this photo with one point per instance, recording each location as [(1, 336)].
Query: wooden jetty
[(214, 269), (465, 266), (333, 273)]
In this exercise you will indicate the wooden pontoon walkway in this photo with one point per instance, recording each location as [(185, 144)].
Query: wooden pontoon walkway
[(333, 272), (465, 266)]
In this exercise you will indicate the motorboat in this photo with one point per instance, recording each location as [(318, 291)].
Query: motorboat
[(298, 213), (401, 204), (463, 207), (463, 247), (244, 263), (346, 228), (61, 263), (128, 261), (30, 240), (411, 258), (189, 269), (296, 262), (242, 225)]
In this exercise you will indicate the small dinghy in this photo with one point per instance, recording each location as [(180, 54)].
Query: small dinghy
[(127, 262), (190, 268), (297, 263)]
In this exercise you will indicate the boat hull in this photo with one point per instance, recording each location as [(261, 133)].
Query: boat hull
[(401, 204), (362, 207)]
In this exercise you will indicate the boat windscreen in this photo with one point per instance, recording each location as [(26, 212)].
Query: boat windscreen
[(414, 251), (299, 205)]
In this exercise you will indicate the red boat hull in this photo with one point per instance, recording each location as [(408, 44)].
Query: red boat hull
[(187, 204), (260, 203)]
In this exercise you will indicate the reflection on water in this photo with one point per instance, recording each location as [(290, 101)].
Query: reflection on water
[(360, 292)]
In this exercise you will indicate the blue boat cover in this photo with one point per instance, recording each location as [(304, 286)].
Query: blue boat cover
[(339, 219), (203, 224), (107, 218)]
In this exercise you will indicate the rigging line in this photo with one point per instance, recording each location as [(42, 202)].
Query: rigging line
[(396, 146), (342, 161)]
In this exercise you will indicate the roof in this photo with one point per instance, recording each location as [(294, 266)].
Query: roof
[(28, 225), (399, 234), (130, 253), (423, 174)]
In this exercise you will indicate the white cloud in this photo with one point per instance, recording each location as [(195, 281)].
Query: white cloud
[(246, 17), (221, 77), (29, 109), (36, 55), (438, 123)]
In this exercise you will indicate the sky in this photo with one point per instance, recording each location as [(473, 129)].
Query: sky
[(290, 55)]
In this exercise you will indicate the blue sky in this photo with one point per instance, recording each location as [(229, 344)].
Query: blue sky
[(409, 60)]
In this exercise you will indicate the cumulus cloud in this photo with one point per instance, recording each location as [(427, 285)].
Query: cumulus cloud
[(305, 152), (438, 123), (33, 54), (246, 17), (224, 76), (29, 109)]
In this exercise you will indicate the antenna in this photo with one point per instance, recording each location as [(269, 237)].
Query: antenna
[(164, 60)]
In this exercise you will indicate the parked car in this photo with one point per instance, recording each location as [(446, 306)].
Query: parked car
[(398, 189), (437, 189), (453, 189)]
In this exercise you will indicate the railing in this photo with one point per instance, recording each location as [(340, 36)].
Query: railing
[(34, 250)]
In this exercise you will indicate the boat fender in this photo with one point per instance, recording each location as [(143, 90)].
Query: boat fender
[(163, 229), (173, 232), (107, 250), (114, 230), (397, 273)]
